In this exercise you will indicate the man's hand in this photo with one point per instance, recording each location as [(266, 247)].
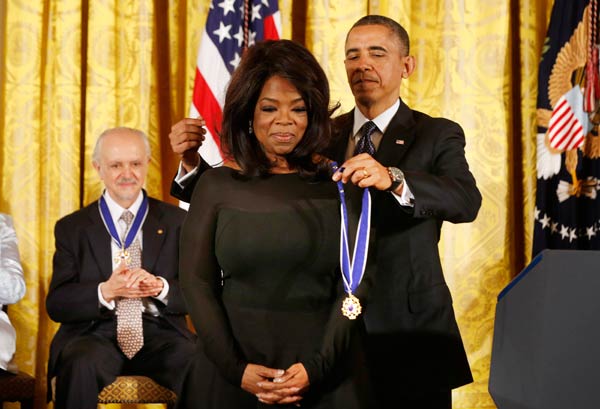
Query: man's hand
[(130, 283), (364, 171), (186, 137), (152, 285)]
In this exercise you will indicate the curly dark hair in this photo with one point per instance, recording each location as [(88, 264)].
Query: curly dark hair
[(294, 63)]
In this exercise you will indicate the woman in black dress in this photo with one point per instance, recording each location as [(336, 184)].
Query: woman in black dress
[(259, 258)]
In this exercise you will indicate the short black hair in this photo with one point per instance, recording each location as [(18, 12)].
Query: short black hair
[(294, 63), (394, 26)]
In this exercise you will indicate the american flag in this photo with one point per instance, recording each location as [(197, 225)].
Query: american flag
[(231, 26), (567, 211)]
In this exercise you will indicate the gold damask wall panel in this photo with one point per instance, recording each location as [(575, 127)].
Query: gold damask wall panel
[(60, 145), (40, 165), (20, 120), (186, 22), (121, 87), (534, 19), (327, 23), (463, 63)]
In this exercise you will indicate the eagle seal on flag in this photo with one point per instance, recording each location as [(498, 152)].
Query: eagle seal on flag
[(568, 145)]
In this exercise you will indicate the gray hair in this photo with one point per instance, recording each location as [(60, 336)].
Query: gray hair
[(96, 153)]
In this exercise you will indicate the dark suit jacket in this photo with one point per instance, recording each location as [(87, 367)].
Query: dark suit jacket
[(412, 331), (83, 260), (185, 193)]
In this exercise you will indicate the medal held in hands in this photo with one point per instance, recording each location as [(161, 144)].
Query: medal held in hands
[(353, 268)]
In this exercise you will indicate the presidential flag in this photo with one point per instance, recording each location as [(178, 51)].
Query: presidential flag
[(567, 212), (231, 27)]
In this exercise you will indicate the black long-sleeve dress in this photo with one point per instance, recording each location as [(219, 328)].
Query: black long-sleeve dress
[(259, 268)]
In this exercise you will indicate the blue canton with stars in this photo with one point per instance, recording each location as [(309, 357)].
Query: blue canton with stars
[(225, 26)]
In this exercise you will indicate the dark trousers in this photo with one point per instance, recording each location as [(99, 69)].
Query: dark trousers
[(93, 360), (433, 399), (389, 394), (396, 388)]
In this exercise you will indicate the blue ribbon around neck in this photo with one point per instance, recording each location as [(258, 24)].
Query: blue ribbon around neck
[(354, 269), (133, 229)]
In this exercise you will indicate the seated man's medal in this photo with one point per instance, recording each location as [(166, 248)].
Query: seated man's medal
[(123, 254), (353, 269)]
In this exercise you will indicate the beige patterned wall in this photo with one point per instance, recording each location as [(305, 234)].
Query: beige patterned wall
[(52, 108)]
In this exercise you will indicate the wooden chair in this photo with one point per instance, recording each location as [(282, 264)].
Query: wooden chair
[(17, 387)]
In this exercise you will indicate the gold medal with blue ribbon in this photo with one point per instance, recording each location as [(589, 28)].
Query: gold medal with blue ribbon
[(353, 268), (123, 254)]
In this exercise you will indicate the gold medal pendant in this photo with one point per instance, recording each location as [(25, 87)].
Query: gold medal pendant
[(351, 307), (123, 256)]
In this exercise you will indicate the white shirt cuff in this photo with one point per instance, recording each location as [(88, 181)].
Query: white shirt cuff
[(406, 198), (162, 297), (110, 305), (182, 178)]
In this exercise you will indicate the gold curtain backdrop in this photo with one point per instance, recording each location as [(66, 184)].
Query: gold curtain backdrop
[(71, 68)]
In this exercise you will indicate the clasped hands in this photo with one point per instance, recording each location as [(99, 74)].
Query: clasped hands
[(276, 386), (128, 282)]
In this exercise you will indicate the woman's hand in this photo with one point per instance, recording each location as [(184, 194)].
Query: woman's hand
[(287, 388), (255, 374)]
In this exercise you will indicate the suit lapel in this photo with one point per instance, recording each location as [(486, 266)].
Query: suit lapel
[(398, 137), (99, 240), (154, 233)]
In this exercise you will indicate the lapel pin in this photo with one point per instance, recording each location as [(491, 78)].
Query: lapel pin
[(160, 231), (399, 141)]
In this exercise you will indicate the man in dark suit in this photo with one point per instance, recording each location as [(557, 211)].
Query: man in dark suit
[(418, 176), (115, 287)]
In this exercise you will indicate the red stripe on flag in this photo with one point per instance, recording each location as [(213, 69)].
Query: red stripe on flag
[(565, 134), (577, 138), (559, 113), (270, 29), (207, 105), (557, 135)]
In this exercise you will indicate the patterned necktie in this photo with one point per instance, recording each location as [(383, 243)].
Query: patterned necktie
[(365, 144), (130, 331)]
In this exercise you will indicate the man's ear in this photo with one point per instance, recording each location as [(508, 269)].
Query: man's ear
[(408, 65)]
